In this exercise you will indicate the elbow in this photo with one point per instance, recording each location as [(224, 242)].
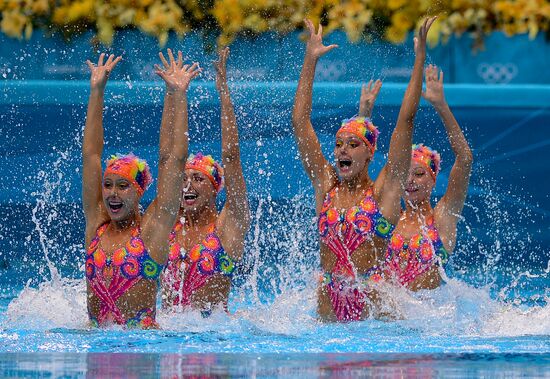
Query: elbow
[(466, 157), (173, 160), (180, 153)]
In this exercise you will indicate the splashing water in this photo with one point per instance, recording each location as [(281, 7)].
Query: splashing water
[(489, 295)]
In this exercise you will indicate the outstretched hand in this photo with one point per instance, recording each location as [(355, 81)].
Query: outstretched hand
[(100, 73), (315, 47), (369, 93), (221, 69), (434, 85), (175, 74), (420, 40)]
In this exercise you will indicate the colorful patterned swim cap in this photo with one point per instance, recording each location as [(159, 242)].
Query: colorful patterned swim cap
[(131, 168), (363, 128), (427, 157), (209, 167)]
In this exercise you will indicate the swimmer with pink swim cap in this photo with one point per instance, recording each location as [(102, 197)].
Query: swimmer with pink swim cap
[(425, 236), (126, 250), (205, 246), (356, 213)]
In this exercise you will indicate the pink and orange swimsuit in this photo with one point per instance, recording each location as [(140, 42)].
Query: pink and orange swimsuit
[(110, 278), (407, 260), (343, 232), (185, 272)]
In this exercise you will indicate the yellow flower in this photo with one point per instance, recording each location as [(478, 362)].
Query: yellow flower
[(434, 33), (12, 23), (39, 6), (255, 22), (401, 20), (60, 15), (105, 31), (396, 4), (396, 35), (126, 17), (79, 10), (28, 30)]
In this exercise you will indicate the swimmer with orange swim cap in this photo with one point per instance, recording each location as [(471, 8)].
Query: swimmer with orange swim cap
[(356, 213), (205, 245), (127, 250), (425, 236)]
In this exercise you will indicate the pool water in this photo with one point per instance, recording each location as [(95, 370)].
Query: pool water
[(492, 315)]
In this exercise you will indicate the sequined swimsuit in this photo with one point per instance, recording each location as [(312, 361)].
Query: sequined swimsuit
[(127, 266), (185, 272), (407, 260), (343, 232)]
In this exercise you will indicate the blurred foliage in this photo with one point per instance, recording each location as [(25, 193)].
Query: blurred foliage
[(360, 19)]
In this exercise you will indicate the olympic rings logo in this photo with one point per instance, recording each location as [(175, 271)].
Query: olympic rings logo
[(497, 73), (330, 71)]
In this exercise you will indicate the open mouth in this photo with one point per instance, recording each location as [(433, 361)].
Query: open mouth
[(189, 198), (411, 190), (115, 206), (344, 164)]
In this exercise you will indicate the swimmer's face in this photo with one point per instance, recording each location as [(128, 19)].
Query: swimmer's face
[(198, 191), (419, 184), (352, 155), (120, 197)]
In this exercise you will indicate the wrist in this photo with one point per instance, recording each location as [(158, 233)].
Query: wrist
[(439, 104), (175, 91), (311, 56), (421, 54), (97, 91)]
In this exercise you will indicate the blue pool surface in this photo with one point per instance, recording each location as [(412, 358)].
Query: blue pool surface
[(491, 318)]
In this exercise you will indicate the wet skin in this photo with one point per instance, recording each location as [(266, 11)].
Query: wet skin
[(352, 158), (199, 203), (418, 190), (121, 200)]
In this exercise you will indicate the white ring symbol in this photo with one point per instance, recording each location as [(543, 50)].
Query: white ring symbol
[(497, 73)]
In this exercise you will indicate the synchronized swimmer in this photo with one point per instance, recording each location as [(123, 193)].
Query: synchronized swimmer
[(184, 250)]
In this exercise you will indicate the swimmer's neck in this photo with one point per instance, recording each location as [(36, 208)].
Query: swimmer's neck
[(122, 225), (194, 220), (354, 185), (417, 210)]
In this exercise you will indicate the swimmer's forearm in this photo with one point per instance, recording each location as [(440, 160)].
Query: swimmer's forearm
[(399, 155), (92, 143), (303, 100), (411, 99), (167, 126), (180, 135), (457, 140), (230, 131)]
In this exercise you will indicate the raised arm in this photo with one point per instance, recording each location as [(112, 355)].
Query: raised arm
[(451, 204), (169, 109), (161, 214), (369, 93), (234, 220), (92, 144), (317, 167), (399, 156)]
